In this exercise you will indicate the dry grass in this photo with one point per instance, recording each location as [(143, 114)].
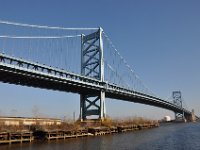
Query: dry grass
[(108, 122), (128, 121), (133, 120), (69, 125)]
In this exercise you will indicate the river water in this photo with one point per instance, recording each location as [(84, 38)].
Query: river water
[(177, 136)]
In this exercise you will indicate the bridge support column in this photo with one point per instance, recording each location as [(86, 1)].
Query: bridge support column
[(177, 100), (92, 105), (92, 65)]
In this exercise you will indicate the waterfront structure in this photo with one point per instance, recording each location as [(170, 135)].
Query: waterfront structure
[(17, 121)]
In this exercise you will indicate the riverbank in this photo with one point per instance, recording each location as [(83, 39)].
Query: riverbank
[(20, 134), (170, 136)]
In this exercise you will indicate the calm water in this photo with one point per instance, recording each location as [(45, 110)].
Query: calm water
[(183, 136)]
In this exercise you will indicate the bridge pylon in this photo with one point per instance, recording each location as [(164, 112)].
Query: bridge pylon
[(177, 100), (92, 65)]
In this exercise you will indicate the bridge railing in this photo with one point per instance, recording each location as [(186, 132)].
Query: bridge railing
[(36, 67), (118, 89)]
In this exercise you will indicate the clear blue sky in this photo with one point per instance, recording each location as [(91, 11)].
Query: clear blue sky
[(160, 40)]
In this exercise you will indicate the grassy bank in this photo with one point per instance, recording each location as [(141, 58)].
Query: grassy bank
[(67, 129), (69, 125)]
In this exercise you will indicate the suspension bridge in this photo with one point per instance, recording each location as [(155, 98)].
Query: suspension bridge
[(77, 60)]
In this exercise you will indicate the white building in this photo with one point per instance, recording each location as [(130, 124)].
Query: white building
[(167, 118)]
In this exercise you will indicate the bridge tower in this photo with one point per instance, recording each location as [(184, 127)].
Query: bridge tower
[(177, 100), (92, 65)]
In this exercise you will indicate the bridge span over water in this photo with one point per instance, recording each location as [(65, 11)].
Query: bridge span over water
[(90, 83)]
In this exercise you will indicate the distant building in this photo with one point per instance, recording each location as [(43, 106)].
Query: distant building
[(16, 121), (167, 118)]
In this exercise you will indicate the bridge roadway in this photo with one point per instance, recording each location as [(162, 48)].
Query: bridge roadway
[(22, 72)]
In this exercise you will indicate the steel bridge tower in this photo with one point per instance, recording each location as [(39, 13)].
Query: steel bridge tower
[(92, 65), (177, 100)]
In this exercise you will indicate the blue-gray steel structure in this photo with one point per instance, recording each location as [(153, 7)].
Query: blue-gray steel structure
[(177, 100), (89, 84), (21, 72), (92, 65)]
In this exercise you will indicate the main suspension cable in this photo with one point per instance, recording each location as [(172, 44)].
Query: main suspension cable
[(43, 27)]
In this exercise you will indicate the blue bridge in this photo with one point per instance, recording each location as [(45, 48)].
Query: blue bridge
[(47, 57)]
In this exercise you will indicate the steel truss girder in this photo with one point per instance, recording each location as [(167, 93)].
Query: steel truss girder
[(92, 66)]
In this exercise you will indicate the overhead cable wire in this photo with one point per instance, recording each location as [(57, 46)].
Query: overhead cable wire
[(114, 71), (38, 37), (42, 27), (126, 63)]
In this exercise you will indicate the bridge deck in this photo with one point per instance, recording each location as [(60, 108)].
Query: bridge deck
[(21, 72)]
